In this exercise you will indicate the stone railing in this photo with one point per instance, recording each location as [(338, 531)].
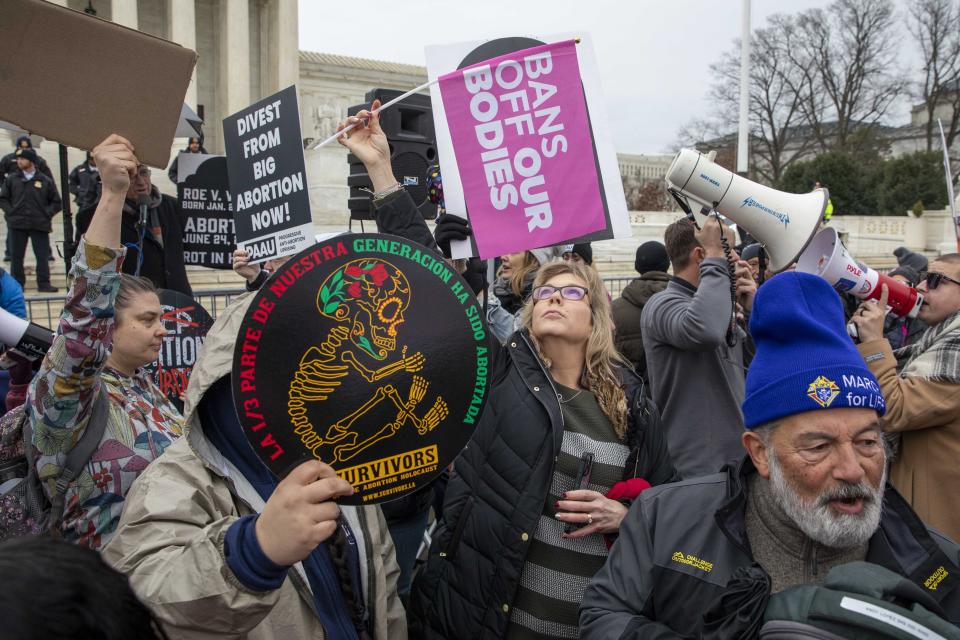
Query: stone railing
[(871, 239)]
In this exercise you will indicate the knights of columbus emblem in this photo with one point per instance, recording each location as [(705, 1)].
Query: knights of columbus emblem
[(823, 391)]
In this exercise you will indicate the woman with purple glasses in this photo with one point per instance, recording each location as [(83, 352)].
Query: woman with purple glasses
[(566, 441)]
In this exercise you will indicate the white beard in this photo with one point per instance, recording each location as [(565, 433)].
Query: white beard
[(818, 520)]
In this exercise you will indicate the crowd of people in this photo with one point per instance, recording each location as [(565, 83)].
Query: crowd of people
[(650, 467)]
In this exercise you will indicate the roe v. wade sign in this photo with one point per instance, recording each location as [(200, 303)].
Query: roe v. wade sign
[(271, 204), (523, 161), (204, 194)]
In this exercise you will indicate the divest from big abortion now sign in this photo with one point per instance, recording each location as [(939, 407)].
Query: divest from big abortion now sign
[(525, 160), (271, 203)]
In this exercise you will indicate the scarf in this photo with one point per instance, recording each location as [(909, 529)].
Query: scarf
[(153, 214), (504, 291), (936, 355)]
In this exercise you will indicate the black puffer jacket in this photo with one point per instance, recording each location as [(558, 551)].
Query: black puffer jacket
[(29, 205), (502, 480), (498, 494), (626, 316)]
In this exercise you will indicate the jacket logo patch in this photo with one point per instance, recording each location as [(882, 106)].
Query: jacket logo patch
[(935, 579), (38, 184), (823, 391), (692, 561)]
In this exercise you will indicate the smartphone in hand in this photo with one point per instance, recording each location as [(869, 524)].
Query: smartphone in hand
[(582, 482)]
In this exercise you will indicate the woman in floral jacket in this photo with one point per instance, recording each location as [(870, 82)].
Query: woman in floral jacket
[(110, 328)]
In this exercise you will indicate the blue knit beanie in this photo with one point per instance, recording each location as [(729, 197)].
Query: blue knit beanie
[(805, 361)]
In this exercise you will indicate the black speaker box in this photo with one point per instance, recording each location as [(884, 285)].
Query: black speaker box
[(408, 126)]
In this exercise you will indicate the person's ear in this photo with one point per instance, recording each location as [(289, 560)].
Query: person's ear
[(698, 255), (758, 452)]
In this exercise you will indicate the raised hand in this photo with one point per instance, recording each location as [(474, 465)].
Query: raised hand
[(241, 264), (117, 163), (368, 142)]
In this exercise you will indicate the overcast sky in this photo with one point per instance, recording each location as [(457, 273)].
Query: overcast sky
[(654, 55)]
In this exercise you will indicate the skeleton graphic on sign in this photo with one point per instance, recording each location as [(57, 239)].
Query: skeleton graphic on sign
[(367, 298)]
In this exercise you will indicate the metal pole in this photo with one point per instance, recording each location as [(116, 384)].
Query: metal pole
[(67, 212), (744, 137)]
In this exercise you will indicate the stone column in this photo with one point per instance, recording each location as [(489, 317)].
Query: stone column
[(234, 84), (124, 12), (182, 18), (285, 42)]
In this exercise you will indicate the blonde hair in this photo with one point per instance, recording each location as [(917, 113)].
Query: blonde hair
[(602, 358), (530, 263)]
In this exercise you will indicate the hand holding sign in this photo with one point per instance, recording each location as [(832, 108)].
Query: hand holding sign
[(368, 142), (301, 513), (116, 162)]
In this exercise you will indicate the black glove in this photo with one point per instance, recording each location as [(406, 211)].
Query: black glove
[(450, 227), (475, 275)]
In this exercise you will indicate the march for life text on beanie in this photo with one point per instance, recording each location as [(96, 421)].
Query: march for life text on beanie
[(28, 338), (804, 360)]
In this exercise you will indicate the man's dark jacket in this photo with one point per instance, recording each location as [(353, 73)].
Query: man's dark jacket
[(626, 317), (84, 184), (680, 544), (503, 476), (161, 265), (29, 205)]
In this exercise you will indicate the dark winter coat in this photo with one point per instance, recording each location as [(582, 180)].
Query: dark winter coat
[(680, 544), (161, 265), (626, 316), (906, 258), (84, 184), (29, 205), (502, 479)]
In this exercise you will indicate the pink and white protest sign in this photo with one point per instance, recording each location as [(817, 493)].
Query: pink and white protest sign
[(524, 150)]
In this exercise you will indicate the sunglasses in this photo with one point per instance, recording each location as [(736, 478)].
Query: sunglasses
[(569, 292), (934, 279)]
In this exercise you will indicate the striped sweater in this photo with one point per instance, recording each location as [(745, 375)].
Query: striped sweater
[(557, 570)]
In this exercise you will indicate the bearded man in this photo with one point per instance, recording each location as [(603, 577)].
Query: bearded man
[(810, 494)]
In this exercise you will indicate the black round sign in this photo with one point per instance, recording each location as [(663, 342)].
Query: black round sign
[(367, 352), (187, 323)]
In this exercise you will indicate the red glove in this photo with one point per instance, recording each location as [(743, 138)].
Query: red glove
[(628, 489)]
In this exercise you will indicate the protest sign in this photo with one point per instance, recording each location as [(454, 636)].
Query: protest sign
[(525, 150), (187, 324), (271, 204), (137, 90), (204, 193), (367, 352)]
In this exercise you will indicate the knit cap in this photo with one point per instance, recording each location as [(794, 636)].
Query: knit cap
[(804, 361), (28, 154), (651, 256)]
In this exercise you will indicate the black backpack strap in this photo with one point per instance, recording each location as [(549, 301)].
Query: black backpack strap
[(78, 457)]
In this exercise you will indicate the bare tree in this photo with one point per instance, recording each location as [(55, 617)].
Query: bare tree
[(652, 196), (778, 90), (848, 53), (935, 24)]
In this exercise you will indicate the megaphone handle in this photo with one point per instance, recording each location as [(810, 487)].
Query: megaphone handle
[(732, 275)]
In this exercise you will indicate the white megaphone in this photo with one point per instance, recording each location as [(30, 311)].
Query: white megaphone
[(828, 258), (32, 340), (782, 222)]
